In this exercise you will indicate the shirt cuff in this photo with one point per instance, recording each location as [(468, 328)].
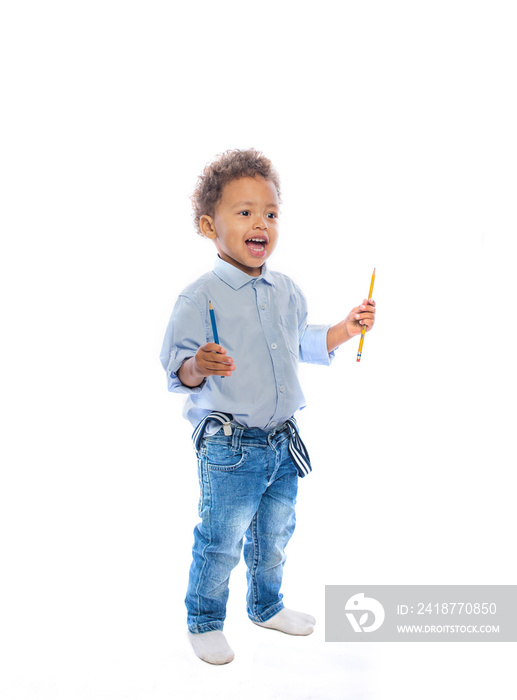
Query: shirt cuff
[(313, 347), (174, 383)]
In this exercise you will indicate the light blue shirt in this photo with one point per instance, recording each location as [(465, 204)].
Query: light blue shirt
[(262, 324)]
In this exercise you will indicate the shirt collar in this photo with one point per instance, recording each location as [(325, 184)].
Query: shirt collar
[(236, 278)]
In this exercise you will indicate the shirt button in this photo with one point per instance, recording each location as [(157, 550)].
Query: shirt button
[(281, 387), (263, 306), (274, 346)]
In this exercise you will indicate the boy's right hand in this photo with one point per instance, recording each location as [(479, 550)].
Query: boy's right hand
[(211, 359)]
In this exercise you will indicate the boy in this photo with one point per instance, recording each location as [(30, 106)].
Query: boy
[(238, 365)]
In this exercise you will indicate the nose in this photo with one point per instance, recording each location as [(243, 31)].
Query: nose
[(260, 222)]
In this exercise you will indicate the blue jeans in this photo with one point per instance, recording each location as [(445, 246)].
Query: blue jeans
[(248, 487)]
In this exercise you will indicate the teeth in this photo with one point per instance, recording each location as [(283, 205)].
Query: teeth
[(257, 240)]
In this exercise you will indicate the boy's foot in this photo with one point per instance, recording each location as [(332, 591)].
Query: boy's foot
[(211, 647), (290, 622)]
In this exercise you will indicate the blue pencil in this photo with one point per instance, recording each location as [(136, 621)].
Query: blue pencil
[(212, 320), (214, 327)]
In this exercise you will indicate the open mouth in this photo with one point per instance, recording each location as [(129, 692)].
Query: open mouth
[(257, 245)]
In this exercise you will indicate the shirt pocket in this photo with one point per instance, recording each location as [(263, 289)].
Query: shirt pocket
[(220, 456), (289, 325)]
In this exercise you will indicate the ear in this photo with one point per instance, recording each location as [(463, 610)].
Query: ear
[(207, 226)]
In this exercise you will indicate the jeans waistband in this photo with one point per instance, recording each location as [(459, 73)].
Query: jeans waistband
[(258, 432), (297, 449)]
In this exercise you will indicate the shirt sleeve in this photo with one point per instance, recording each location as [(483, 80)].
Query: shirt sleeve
[(184, 335), (313, 338)]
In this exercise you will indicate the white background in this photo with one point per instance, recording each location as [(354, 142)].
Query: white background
[(392, 125)]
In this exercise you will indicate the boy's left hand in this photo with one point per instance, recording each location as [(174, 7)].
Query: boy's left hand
[(363, 315), (360, 317)]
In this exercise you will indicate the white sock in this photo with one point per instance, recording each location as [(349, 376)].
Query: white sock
[(290, 622), (211, 647)]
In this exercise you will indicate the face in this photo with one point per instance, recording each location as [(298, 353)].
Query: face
[(244, 227)]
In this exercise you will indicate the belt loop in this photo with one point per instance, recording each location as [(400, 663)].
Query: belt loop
[(236, 439)]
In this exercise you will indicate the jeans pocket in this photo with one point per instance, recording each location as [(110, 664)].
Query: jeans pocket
[(221, 457)]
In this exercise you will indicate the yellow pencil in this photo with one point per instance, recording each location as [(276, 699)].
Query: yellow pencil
[(360, 351)]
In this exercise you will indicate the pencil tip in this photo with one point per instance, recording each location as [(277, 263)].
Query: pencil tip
[(210, 305)]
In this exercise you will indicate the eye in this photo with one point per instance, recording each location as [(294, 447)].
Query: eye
[(272, 215), (244, 213)]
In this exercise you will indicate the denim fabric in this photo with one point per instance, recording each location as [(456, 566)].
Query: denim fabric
[(248, 485)]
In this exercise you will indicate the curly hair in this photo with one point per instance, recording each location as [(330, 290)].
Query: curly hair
[(228, 166)]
